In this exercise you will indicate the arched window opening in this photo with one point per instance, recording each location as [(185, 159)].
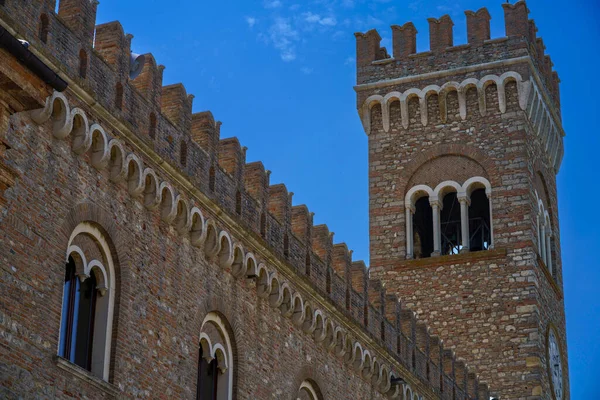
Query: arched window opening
[(83, 64), (183, 153), (450, 225), (215, 363), (263, 225), (309, 391), (119, 96), (422, 229), (88, 301), (152, 129), (44, 28), (77, 326), (479, 221), (211, 178), (286, 246), (238, 202)]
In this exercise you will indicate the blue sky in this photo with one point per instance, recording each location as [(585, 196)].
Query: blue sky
[(279, 74)]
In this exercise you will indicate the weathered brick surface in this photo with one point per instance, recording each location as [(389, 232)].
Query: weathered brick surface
[(165, 284)]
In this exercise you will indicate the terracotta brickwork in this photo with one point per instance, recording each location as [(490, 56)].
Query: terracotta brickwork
[(487, 109), (191, 231)]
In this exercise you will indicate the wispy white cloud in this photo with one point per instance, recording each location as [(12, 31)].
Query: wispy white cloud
[(317, 19), (349, 60), (251, 21), (272, 3), (283, 37), (306, 70)]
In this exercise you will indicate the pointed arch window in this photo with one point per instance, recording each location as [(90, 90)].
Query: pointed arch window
[(88, 301), (216, 363)]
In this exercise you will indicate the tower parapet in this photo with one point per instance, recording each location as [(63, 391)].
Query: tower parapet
[(374, 66)]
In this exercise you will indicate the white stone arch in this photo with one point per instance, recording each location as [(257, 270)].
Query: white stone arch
[(443, 188), (225, 255), (275, 292), (222, 349), (81, 133), (104, 313), (477, 182), (447, 88), (263, 285), (116, 160), (238, 267), (388, 99), (308, 388), (297, 309), (167, 202), (56, 108), (320, 331), (151, 195), (365, 111), (286, 305), (414, 193), (211, 243), (197, 227), (134, 172), (98, 147)]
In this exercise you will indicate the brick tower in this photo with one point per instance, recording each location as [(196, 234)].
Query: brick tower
[(464, 146)]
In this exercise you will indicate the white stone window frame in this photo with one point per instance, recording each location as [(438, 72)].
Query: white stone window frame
[(544, 234), (436, 197), (221, 350), (104, 272)]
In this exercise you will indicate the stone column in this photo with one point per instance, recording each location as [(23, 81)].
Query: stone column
[(539, 234), (543, 243), (491, 246), (437, 235), (464, 222), (410, 210), (549, 252)]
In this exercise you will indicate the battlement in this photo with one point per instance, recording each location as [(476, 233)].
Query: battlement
[(374, 64), (161, 119)]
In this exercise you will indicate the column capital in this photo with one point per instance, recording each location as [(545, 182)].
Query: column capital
[(435, 202), (463, 198)]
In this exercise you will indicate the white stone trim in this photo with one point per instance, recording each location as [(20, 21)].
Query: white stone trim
[(106, 286), (523, 89)]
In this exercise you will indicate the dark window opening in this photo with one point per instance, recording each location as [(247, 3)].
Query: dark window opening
[(422, 229), (328, 282), (366, 314), (263, 225), (441, 381), (414, 359), (382, 331), (119, 96), (78, 314), (183, 153), (152, 130), (348, 298), (238, 202), (428, 371), (479, 221), (44, 28), (286, 246), (450, 225), (208, 375), (307, 269), (83, 64), (211, 179)]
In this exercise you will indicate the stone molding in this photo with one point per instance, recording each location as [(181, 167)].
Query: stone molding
[(87, 377)]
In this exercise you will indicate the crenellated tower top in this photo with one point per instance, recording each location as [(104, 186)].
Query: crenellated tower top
[(374, 65)]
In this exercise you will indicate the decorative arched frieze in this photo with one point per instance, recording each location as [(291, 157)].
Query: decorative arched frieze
[(523, 89)]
